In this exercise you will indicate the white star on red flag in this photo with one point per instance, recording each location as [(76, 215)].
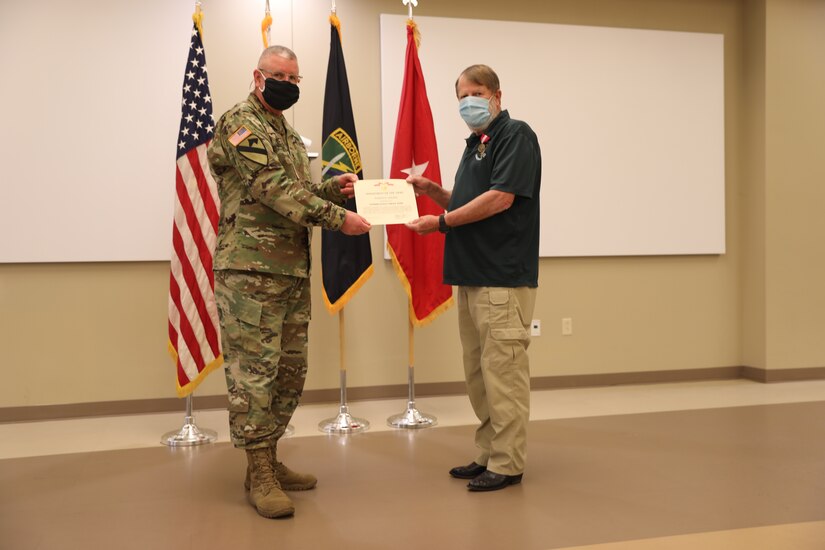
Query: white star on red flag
[(416, 169)]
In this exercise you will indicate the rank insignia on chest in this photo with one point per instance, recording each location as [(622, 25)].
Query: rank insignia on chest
[(482, 147)]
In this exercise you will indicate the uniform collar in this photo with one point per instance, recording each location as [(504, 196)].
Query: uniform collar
[(275, 120)]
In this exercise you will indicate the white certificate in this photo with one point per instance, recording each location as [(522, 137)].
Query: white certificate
[(386, 202)]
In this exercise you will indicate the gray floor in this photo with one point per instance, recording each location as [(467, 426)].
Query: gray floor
[(589, 480)]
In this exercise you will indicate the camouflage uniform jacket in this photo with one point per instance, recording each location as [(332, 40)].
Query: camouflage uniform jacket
[(268, 202)]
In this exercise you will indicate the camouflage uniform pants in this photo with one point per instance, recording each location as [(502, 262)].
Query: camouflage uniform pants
[(264, 320)]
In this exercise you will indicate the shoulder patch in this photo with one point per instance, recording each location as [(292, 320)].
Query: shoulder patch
[(249, 145), (240, 134)]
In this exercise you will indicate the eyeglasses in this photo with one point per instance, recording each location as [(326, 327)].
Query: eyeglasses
[(294, 78)]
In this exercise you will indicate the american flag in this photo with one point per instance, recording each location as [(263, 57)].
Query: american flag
[(194, 330)]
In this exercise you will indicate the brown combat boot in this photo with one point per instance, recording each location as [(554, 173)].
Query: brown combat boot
[(292, 481), (265, 493), (289, 480)]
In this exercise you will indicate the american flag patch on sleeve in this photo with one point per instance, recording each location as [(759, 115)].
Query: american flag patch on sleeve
[(240, 134)]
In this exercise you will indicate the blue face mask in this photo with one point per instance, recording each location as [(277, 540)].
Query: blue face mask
[(475, 111)]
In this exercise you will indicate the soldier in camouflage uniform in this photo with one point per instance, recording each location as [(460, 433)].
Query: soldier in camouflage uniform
[(262, 266)]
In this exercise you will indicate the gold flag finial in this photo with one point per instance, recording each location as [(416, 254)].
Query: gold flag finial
[(410, 22)]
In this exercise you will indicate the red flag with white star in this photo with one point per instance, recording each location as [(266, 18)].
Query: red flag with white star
[(418, 259)]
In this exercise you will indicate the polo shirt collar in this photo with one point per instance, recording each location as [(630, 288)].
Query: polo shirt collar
[(492, 129)]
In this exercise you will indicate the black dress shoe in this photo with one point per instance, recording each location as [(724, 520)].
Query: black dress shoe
[(470, 471), (491, 481)]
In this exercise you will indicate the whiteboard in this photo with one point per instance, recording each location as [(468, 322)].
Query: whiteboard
[(91, 95), (91, 106), (630, 123)]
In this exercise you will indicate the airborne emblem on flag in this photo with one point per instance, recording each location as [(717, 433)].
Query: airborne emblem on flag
[(342, 153)]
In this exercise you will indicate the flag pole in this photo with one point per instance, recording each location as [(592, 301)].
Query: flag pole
[(411, 418), (344, 423), (410, 4), (189, 434)]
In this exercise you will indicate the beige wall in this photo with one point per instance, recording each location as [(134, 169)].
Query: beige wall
[(784, 129), (794, 183), (77, 333), (752, 196)]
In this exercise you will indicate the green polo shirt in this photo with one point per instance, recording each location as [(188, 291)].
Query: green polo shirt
[(502, 250)]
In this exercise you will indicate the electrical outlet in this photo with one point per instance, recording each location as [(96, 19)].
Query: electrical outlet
[(535, 328), (567, 326)]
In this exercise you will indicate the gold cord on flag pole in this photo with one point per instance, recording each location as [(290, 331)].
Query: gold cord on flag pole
[(197, 17), (410, 22), (266, 24), (335, 22)]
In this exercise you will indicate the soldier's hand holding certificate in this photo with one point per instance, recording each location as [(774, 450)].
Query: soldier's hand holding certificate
[(386, 202)]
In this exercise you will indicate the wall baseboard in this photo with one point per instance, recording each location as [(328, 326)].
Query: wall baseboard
[(782, 375), (399, 391)]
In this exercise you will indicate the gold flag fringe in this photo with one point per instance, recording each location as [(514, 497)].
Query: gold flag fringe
[(183, 391), (406, 283), (347, 296)]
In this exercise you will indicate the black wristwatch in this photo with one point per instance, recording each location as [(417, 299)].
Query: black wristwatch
[(442, 224)]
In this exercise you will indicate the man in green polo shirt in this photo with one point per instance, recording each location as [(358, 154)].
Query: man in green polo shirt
[(491, 253)]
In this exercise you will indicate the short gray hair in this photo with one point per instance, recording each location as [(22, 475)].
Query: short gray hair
[(282, 51)]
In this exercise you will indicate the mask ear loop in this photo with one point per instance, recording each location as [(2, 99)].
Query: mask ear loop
[(252, 84), (493, 108)]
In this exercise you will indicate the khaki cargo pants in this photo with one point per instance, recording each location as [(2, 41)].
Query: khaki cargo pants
[(493, 324)]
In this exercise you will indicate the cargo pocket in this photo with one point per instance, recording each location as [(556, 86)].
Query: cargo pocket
[(505, 320), (241, 321), (509, 333), (499, 308)]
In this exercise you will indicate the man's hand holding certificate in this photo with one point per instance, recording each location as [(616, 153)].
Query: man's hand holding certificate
[(386, 202)]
